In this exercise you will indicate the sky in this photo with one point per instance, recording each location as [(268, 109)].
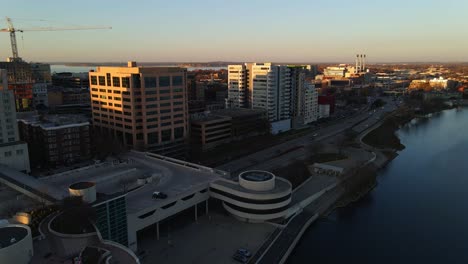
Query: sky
[(240, 30)]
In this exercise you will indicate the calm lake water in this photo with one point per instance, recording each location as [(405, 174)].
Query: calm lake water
[(418, 213)]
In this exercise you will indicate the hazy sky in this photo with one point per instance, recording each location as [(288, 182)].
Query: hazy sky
[(240, 30)]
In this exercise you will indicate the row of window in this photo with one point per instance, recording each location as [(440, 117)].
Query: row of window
[(7, 154)]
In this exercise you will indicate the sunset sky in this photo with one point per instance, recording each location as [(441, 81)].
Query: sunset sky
[(241, 30)]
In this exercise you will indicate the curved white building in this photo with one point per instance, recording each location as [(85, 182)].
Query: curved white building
[(257, 196), (15, 244)]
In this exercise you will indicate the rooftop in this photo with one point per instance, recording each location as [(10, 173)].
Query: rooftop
[(51, 122), (10, 235)]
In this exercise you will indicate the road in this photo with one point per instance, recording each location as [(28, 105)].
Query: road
[(285, 153)]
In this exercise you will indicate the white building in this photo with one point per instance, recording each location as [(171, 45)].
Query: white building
[(261, 86), (13, 153), (40, 96), (237, 86), (310, 104), (323, 111)]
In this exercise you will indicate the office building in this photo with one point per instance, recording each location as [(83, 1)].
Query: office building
[(13, 152), (144, 108), (56, 140), (71, 80), (40, 96), (211, 129), (41, 72)]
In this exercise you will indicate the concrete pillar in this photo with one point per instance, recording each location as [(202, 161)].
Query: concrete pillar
[(206, 207), (157, 230), (196, 212)]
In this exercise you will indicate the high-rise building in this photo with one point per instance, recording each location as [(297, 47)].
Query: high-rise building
[(278, 89), (262, 86), (13, 152), (144, 108), (238, 93), (310, 109), (20, 81)]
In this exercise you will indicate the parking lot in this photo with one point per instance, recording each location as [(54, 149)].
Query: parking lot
[(214, 239)]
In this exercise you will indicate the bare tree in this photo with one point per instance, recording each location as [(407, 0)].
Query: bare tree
[(125, 183)]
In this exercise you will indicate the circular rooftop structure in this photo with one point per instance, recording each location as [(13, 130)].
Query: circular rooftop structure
[(82, 185), (15, 244), (257, 176), (257, 180), (87, 190)]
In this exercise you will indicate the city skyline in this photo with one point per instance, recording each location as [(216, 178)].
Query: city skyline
[(203, 31)]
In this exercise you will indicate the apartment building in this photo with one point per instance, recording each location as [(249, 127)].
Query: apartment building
[(144, 108), (238, 93), (13, 152), (310, 110), (56, 140)]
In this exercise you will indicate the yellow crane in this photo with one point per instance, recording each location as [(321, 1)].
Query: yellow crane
[(13, 30)]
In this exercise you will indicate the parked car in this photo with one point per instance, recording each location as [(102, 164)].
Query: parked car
[(240, 258), (159, 195), (244, 252)]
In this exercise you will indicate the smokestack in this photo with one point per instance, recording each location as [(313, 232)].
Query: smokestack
[(364, 63)]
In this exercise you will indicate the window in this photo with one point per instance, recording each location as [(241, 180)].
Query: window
[(151, 106), (164, 91), (152, 119), (152, 113), (151, 99), (136, 80), (125, 82), (117, 98), (150, 82), (178, 122), (166, 135), (178, 103), (178, 115), (116, 82), (150, 92), (178, 90), (102, 80), (153, 138), (7, 153), (178, 96), (93, 80), (163, 111), (178, 109), (94, 89), (165, 117), (164, 98), (164, 104), (152, 126), (178, 132), (177, 80), (164, 81), (108, 77)]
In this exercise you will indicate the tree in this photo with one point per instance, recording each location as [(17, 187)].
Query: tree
[(125, 182)]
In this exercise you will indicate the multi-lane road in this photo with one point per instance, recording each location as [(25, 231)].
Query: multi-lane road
[(284, 153)]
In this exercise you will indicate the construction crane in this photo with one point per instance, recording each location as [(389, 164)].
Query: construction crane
[(13, 30)]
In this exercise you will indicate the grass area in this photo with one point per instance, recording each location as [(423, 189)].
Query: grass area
[(384, 136), (297, 172)]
